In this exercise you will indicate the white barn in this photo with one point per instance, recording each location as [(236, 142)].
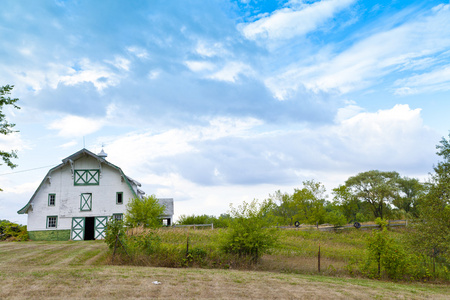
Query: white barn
[(77, 197)]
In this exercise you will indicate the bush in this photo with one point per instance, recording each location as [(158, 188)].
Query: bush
[(147, 242), (12, 231), (218, 222), (144, 212), (386, 253), (249, 233), (115, 230), (335, 218)]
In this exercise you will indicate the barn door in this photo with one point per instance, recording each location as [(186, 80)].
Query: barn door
[(77, 229), (100, 227)]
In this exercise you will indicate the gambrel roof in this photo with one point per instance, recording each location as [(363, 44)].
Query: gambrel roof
[(69, 160)]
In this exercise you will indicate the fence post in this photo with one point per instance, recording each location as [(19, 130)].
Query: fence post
[(318, 260)]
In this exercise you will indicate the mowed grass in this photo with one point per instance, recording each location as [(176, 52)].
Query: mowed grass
[(73, 270)]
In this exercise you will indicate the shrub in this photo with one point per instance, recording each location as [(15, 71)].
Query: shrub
[(115, 230), (12, 231), (218, 222), (335, 218), (386, 253), (147, 242), (249, 233)]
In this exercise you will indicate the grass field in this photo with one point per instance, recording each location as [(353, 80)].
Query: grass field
[(71, 270)]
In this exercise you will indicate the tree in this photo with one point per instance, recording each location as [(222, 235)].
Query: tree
[(6, 127), (408, 199), (144, 212), (376, 188), (309, 202), (432, 234), (285, 211)]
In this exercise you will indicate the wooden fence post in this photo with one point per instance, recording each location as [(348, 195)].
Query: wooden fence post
[(318, 260)]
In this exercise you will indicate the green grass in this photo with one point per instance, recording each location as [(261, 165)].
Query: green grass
[(342, 253), (81, 269)]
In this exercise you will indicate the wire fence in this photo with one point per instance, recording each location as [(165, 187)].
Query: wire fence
[(326, 227)]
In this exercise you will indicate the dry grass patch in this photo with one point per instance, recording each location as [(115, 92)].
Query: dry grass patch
[(73, 272)]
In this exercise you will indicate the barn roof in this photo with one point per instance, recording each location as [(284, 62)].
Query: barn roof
[(70, 159), (168, 205)]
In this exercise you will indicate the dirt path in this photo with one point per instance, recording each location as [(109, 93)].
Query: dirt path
[(71, 271)]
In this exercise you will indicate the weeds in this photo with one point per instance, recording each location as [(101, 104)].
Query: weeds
[(342, 254)]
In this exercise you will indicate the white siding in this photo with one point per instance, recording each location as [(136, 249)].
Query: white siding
[(67, 203)]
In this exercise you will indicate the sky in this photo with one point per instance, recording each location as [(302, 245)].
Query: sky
[(217, 102)]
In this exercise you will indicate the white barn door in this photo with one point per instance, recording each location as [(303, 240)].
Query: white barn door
[(77, 229), (100, 227)]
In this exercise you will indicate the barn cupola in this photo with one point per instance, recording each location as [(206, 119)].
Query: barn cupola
[(102, 154)]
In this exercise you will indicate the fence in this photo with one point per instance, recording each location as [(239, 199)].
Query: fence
[(326, 227), (196, 225)]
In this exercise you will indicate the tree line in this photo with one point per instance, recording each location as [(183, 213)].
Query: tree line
[(364, 197)]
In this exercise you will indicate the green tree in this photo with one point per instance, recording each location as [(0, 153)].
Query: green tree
[(144, 212), (309, 203), (285, 210), (376, 188), (6, 127), (411, 190), (432, 234), (250, 232)]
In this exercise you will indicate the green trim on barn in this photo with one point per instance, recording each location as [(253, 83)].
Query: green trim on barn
[(119, 198), (86, 177), (67, 160), (50, 235)]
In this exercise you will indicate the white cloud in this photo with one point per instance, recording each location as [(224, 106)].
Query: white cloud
[(135, 148), (435, 80), (372, 58), (12, 141), (154, 74), (210, 49), (404, 91), (293, 21), (347, 112), (68, 144), (120, 63), (75, 126), (99, 75), (197, 66), (24, 188), (138, 52), (231, 71), (391, 139)]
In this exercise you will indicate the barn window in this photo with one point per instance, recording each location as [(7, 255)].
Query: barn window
[(118, 217), (52, 221), (51, 199), (119, 198), (86, 177), (86, 201)]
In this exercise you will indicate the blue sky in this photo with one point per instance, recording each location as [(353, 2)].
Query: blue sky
[(218, 102)]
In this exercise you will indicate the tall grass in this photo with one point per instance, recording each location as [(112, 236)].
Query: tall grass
[(342, 253)]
